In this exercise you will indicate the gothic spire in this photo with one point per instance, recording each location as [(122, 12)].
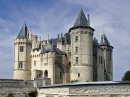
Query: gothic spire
[(23, 32), (81, 19), (104, 40)]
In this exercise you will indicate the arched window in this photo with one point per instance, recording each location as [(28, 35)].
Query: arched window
[(45, 73)]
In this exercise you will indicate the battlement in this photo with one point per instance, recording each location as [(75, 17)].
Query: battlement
[(11, 83), (82, 31), (22, 41)]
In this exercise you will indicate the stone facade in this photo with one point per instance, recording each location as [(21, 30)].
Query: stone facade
[(88, 89), (76, 56), (19, 88)]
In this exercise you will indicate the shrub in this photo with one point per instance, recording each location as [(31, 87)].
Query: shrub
[(10, 95), (74, 80), (33, 94)]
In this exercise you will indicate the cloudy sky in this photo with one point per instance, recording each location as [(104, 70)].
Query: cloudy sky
[(50, 17)]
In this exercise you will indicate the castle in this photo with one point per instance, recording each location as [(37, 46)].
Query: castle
[(74, 56)]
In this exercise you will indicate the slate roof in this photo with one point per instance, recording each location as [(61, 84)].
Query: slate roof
[(104, 40), (52, 46), (54, 41), (81, 19), (23, 32), (52, 49), (95, 42)]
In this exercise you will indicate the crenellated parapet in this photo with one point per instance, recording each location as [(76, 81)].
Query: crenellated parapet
[(82, 31), (22, 41)]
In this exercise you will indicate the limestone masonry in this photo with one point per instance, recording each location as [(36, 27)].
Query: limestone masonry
[(86, 89), (73, 56)]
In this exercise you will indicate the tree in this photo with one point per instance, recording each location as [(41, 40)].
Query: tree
[(10, 95), (126, 76)]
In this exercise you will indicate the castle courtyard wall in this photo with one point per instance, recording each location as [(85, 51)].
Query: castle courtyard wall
[(90, 89), (19, 88)]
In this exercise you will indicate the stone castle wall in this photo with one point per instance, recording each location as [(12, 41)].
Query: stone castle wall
[(101, 89), (83, 69), (19, 88)]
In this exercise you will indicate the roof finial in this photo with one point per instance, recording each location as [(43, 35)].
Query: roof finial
[(88, 20), (25, 21), (40, 38), (103, 31), (81, 6), (48, 39)]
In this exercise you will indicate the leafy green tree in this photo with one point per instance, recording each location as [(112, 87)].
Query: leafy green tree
[(10, 95), (126, 76), (33, 94)]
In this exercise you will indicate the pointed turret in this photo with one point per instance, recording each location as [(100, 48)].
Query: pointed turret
[(81, 35), (104, 40), (23, 32), (22, 59), (81, 19), (107, 54), (95, 42)]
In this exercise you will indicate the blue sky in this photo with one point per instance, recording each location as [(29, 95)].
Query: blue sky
[(51, 17)]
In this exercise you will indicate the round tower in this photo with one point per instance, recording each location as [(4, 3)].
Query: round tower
[(22, 59), (81, 49), (108, 57), (49, 56)]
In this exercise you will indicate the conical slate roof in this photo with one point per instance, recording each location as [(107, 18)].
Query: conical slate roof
[(104, 40), (81, 19), (95, 42), (23, 32)]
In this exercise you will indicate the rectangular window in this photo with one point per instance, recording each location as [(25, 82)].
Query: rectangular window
[(69, 63), (21, 48), (76, 50), (34, 63), (76, 38), (60, 75), (20, 65), (101, 60), (78, 74), (76, 60)]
